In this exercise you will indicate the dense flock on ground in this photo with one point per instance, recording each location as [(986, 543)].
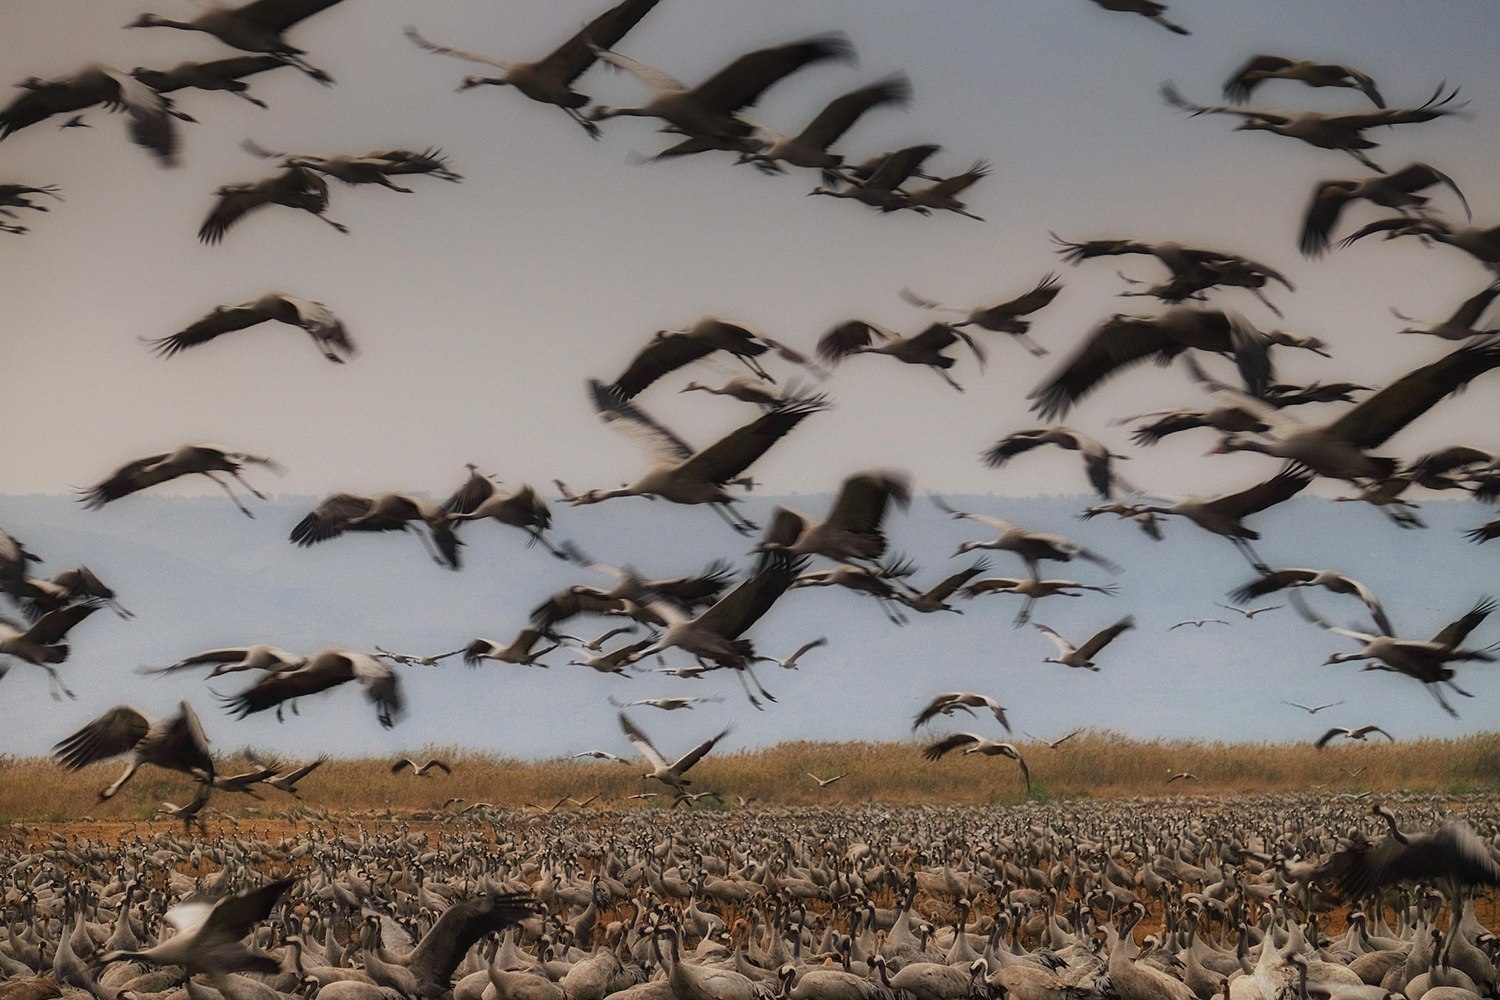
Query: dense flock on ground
[(1247, 899)]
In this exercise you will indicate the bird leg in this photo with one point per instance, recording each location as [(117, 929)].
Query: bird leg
[(336, 225), (225, 487), (1256, 562), (431, 550), (896, 617), (741, 525), (588, 126), (538, 539), (746, 669), (1265, 301), (1024, 615), (1438, 694), (257, 493), (58, 688), (948, 378), (1362, 158), (1037, 350), (756, 368), (246, 96), (295, 60)]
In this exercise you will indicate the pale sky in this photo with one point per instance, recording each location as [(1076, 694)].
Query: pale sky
[(481, 307)]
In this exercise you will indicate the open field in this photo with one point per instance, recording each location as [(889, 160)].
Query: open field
[(1091, 765)]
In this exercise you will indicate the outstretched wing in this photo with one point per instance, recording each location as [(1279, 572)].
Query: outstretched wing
[(111, 734)]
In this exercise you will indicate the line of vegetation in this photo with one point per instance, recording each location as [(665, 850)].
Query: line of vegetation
[(1093, 764)]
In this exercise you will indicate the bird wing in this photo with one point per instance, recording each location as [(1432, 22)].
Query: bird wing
[(895, 168), (382, 686), (1455, 632), (741, 83), (233, 916), (475, 490), (232, 203), (1322, 214), (273, 689), (479, 57), (1287, 483), (330, 518), (732, 454), (649, 75), (629, 417), (941, 705), (693, 756), (224, 319), (1173, 96), (842, 341), (950, 186), (863, 498), (1064, 647), (1114, 345), (643, 744), (130, 478), (1045, 291), (52, 626), (842, 112), (947, 743), (1335, 731), (279, 15), (461, 925), (568, 61), (1105, 637), (404, 762), (1380, 415), (664, 354), (946, 587), (111, 734), (1239, 85), (737, 610), (1422, 175)]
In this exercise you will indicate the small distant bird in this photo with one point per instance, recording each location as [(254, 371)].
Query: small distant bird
[(974, 743), (1283, 579), (1199, 623), (666, 704), (924, 348), (960, 701), (422, 770), (1362, 733), (1312, 709), (326, 330), (342, 512), (1083, 656), (602, 755), (409, 660), (1054, 744), (287, 781), (1252, 612), (823, 782), (792, 662), (1146, 8), (1181, 776)]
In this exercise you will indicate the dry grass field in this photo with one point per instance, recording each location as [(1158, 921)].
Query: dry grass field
[(1091, 765)]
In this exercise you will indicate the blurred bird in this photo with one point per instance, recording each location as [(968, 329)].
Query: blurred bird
[(326, 330)]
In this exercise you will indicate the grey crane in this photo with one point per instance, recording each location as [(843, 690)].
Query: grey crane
[(1338, 583), (1463, 323), (326, 329), (852, 529), (549, 79), (960, 701), (40, 642), (479, 499), (1121, 341), (522, 652), (231, 659), (423, 770), (1396, 190), (256, 26), (809, 148), (670, 350), (1006, 317), (1098, 460), (1480, 242), (924, 348), (189, 459), (1362, 733), (1339, 131), (220, 74), (708, 110), (375, 167), (668, 773), (176, 743), (323, 670), (974, 743), (151, 114), (1149, 9), (1083, 656), (294, 187), (1260, 68), (343, 512)]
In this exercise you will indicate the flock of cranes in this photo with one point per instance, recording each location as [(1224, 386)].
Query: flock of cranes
[(713, 620)]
